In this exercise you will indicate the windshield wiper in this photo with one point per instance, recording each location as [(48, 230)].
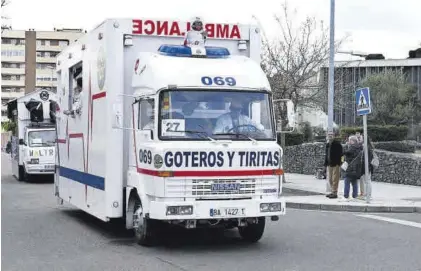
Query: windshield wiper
[(203, 134), (237, 134)]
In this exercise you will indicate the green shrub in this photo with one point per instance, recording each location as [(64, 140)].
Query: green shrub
[(378, 133), (291, 139), (307, 132), (395, 146)]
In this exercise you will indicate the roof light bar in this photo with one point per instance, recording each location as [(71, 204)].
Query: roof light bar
[(185, 51)]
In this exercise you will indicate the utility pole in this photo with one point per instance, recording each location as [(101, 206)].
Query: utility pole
[(331, 68)]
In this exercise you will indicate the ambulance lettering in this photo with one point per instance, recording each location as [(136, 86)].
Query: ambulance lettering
[(173, 28), (203, 159), (145, 156)]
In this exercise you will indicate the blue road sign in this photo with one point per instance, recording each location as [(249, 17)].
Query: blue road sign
[(362, 98)]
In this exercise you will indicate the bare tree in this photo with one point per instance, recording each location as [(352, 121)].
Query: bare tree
[(4, 26), (292, 62)]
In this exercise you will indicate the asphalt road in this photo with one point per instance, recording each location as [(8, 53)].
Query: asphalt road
[(38, 234)]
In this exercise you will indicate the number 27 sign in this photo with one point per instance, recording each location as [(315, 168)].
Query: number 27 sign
[(173, 127)]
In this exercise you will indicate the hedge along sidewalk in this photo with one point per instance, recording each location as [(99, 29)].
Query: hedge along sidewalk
[(386, 197)]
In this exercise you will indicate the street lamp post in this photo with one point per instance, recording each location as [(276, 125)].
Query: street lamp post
[(331, 68)]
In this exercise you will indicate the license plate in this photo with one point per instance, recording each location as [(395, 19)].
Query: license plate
[(226, 212)]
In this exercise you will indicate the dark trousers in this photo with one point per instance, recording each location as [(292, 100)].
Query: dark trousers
[(348, 182)]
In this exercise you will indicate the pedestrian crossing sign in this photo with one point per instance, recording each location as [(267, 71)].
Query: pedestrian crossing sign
[(363, 102)]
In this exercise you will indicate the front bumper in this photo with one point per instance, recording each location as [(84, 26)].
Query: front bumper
[(202, 209), (40, 168)]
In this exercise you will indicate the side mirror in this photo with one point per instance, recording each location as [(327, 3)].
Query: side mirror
[(21, 142), (285, 115)]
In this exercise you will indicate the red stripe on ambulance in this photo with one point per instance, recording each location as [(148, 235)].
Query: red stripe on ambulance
[(167, 28)]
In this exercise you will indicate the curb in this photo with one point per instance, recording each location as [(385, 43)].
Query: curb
[(299, 192), (353, 208)]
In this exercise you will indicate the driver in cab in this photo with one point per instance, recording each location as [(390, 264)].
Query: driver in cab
[(235, 122)]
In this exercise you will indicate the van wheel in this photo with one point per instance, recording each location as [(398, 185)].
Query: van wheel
[(26, 176), (21, 177), (142, 226), (253, 232)]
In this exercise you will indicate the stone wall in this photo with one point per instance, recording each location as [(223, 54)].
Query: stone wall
[(401, 168)]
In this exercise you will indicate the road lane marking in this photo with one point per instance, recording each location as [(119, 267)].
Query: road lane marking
[(393, 220)]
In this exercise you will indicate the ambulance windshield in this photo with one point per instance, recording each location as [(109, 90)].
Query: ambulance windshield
[(42, 138), (204, 114)]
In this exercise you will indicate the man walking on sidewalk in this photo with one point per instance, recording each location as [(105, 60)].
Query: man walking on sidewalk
[(334, 152)]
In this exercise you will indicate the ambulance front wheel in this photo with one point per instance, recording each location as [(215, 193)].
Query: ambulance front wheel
[(253, 232), (142, 226)]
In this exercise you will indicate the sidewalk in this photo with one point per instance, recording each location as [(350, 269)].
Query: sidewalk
[(385, 197)]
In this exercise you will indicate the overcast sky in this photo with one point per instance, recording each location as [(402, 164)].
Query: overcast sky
[(390, 27)]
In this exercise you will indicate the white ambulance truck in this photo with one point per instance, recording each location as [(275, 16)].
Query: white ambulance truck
[(163, 133), (34, 137)]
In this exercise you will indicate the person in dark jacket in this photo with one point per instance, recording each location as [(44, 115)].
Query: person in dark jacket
[(354, 158), (334, 152), (370, 166)]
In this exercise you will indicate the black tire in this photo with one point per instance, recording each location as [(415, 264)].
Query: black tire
[(21, 177), (26, 176), (253, 232), (145, 234)]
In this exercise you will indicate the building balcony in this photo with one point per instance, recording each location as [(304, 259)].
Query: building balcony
[(46, 72), (12, 95), (41, 84), (50, 48), (46, 60), (13, 46), (17, 71), (8, 58), (12, 83)]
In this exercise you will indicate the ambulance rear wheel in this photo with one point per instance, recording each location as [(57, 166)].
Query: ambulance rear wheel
[(253, 232), (142, 226)]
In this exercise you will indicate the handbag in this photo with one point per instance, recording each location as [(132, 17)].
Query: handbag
[(344, 166)]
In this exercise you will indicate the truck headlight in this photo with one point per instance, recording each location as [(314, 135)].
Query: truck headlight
[(180, 210), (270, 207)]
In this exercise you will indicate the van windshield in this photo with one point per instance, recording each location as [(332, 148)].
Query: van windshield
[(210, 114), (41, 138)]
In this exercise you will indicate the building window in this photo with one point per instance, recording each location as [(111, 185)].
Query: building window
[(6, 77), (11, 53), (54, 42), (42, 42), (43, 66), (40, 54), (15, 77), (6, 41), (63, 42), (12, 65)]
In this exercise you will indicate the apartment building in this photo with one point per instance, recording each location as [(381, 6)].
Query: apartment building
[(28, 60)]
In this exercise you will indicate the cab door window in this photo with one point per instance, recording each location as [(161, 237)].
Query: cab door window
[(146, 114)]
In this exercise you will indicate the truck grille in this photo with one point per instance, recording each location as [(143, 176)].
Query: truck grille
[(222, 188), (204, 187)]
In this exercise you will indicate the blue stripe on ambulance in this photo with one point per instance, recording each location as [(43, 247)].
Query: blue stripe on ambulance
[(83, 177)]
